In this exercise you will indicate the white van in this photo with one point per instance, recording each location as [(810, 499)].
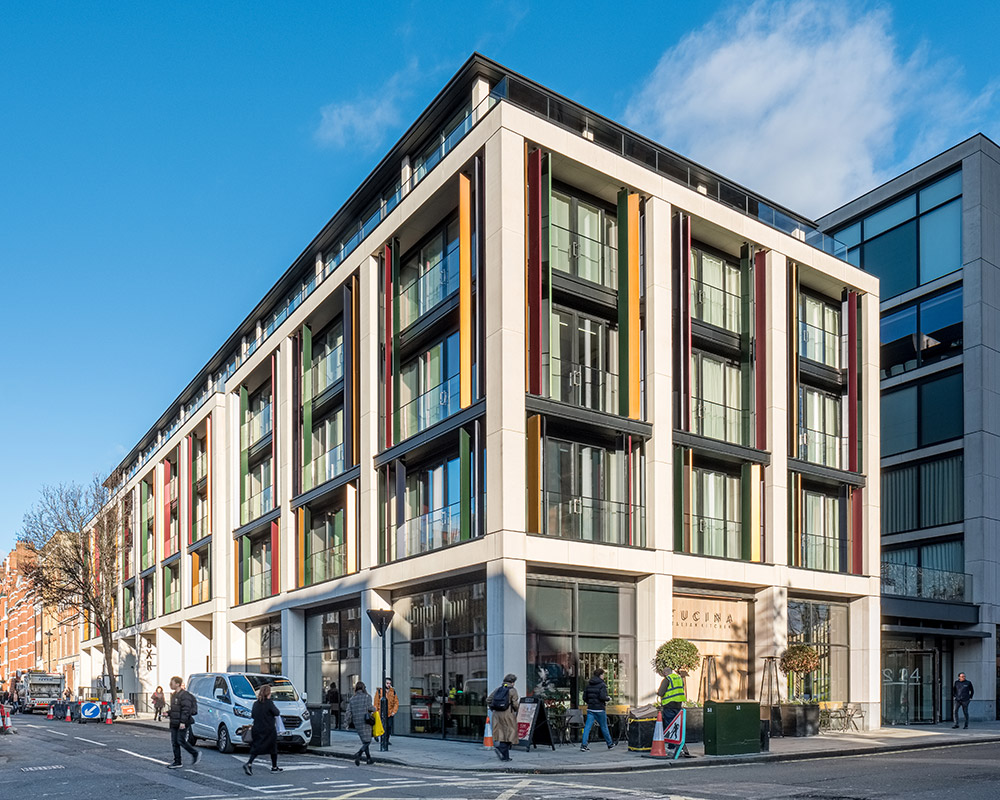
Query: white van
[(225, 700)]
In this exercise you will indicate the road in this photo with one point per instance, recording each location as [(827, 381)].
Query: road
[(51, 759)]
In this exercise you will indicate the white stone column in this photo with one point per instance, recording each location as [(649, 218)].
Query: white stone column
[(169, 656), (866, 658), (371, 642), (770, 618), (659, 377), (293, 646), (285, 421), (366, 327), (776, 473), (196, 639), (654, 626), (237, 646), (506, 638)]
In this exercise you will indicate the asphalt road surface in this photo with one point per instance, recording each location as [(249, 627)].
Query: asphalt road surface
[(51, 759)]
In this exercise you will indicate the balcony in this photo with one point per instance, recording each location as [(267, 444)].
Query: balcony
[(593, 520), (584, 257), (257, 587), (327, 370), (819, 447), (713, 536), (171, 602), (199, 527), (200, 466), (819, 345), (327, 465), (581, 385), (716, 421), (430, 407), (326, 564), (201, 592), (905, 580), (716, 306), (821, 552), (257, 427), (148, 557), (432, 530), (173, 541), (256, 506), (421, 295)]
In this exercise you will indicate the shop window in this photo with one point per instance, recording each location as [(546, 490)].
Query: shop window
[(263, 646), (333, 653), (824, 627)]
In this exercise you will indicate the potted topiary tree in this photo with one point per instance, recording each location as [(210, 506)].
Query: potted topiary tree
[(682, 656), (800, 715)]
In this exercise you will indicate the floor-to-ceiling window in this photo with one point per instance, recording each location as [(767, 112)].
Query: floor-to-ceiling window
[(824, 627), (333, 650), (263, 646)]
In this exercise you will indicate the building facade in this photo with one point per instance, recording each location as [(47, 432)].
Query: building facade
[(932, 236), (554, 395), (21, 643)]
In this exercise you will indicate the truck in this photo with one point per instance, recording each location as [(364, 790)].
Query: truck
[(38, 690)]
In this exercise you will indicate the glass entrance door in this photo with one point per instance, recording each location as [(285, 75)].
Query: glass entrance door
[(909, 687)]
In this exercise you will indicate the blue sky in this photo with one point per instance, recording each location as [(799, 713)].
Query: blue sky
[(164, 163)]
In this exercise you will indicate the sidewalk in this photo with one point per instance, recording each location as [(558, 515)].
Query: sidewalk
[(429, 753)]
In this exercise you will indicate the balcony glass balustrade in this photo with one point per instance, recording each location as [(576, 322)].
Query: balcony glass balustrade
[(199, 527), (819, 447), (716, 421), (712, 536), (430, 407), (584, 257), (257, 586), (581, 385), (201, 592), (821, 552), (326, 564), (432, 530), (716, 306), (328, 465), (257, 427), (819, 345), (593, 519), (427, 291), (906, 580), (327, 370), (171, 602), (200, 466), (256, 505)]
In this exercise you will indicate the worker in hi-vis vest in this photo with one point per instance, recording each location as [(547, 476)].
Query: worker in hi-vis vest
[(672, 697)]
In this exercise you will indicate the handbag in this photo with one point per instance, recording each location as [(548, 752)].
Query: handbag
[(369, 718), (247, 734), (279, 724)]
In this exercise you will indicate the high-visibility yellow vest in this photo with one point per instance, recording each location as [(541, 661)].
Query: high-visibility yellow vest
[(675, 689)]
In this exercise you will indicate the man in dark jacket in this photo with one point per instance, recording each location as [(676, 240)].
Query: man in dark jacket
[(961, 695), (183, 707), (596, 698)]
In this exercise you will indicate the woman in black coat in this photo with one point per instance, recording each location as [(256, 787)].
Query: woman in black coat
[(264, 731)]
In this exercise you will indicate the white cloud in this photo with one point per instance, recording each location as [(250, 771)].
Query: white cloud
[(363, 123), (808, 103)]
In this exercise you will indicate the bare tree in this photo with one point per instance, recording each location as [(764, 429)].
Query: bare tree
[(76, 533)]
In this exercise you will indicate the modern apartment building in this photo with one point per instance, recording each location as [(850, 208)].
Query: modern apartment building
[(932, 236), (552, 393)]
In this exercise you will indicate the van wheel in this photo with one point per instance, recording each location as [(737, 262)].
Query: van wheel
[(224, 743)]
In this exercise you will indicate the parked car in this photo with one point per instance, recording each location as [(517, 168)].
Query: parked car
[(225, 700)]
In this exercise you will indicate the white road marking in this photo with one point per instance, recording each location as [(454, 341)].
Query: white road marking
[(513, 790), (139, 755), (99, 744), (56, 733), (207, 796)]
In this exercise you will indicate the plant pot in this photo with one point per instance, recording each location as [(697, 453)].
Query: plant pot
[(799, 719)]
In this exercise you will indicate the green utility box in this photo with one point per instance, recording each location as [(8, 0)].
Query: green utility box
[(732, 727)]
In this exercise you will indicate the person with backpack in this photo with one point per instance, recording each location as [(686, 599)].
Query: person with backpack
[(502, 704), (183, 707), (596, 697)]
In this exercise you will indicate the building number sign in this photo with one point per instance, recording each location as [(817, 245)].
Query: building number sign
[(905, 676)]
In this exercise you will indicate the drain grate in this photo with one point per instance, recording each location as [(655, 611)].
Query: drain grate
[(42, 769)]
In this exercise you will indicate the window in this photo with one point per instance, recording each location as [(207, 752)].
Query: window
[(716, 394), (325, 546), (201, 573), (923, 495), (428, 275), (716, 523), (934, 571), (328, 447), (171, 588), (263, 643), (327, 358), (432, 508), (257, 569), (148, 609), (333, 650), (819, 427), (128, 605), (715, 291), (429, 390), (583, 348), (906, 245), (822, 546), (922, 333), (258, 491), (923, 414), (583, 239), (258, 420), (220, 690), (824, 627), (819, 331)]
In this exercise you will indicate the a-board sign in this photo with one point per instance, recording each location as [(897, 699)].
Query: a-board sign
[(675, 731), (533, 724)]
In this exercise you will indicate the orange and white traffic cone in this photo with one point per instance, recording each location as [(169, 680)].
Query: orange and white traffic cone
[(488, 732), (49, 715), (659, 749), (107, 721), (68, 717)]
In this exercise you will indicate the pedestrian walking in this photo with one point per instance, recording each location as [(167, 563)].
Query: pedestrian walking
[(392, 706), (332, 699), (596, 697), (183, 707), (502, 703), (672, 696), (961, 695), (361, 712), (159, 701), (264, 733)]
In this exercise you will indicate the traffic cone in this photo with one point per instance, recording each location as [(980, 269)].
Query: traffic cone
[(488, 732), (68, 717), (49, 715), (659, 749), (107, 721)]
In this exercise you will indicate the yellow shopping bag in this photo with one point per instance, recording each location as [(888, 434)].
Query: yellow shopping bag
[(377, 729)]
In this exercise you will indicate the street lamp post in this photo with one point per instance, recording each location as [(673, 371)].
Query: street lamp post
[(48, 663), (381, 618)]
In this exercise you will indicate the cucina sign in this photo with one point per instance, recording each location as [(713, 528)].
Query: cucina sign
[(700, 618)]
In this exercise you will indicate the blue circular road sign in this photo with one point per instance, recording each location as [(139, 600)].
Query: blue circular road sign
[(90, 711)]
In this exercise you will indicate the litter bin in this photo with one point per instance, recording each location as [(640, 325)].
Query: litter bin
[(732, 727), (319, 716)]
